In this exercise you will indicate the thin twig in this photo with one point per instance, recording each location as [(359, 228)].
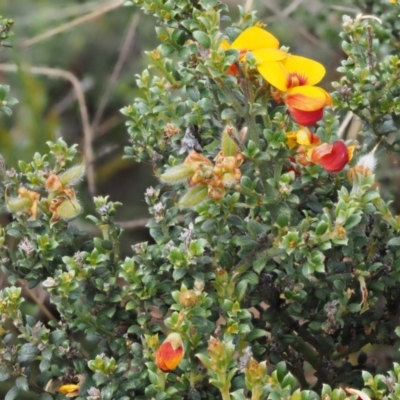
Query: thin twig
[(370, 51), (291, 7), (344, 124), (36, 300), (57, 13), (129, 38), (248, 6), (133, 224), (68, 25), (300, 29), (87, 129), (345, 9)]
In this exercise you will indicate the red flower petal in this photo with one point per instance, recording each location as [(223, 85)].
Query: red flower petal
[(167, 359), (333, 157), (306, 118)]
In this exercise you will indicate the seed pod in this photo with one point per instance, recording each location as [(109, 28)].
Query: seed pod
[(194, 196), (73, 175), (177, 174)]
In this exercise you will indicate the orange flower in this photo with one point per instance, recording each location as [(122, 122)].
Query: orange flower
[(333, 157), (254, 39), (170, 353), (296, 77), (33, 197), (306, 142)]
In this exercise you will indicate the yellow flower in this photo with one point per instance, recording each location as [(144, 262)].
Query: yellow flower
[(251, 39), (296, 77), (254, 39), (70, 390)]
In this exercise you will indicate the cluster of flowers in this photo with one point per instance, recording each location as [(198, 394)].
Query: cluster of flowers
[(292, 77), (61, 202), (331, 156), (208, 178)]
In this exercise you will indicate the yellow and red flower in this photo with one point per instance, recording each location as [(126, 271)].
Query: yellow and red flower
[(170, 353), (306, 142), (303, 137), (253, 39), (332, 156), (295, 77)]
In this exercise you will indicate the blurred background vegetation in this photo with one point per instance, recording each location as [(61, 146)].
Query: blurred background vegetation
[(72, 67)]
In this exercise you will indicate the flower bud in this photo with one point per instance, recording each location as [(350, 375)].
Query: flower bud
[(188, 298), (364, 167), (198, 285), (170, 353), (73, 175), (53, 183), (216, 193)]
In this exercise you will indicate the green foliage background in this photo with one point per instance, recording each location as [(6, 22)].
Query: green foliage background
[(47, 107)]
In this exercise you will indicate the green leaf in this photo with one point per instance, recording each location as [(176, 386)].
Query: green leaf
[(178, 274), (4, 375), (282, 220), (22, 383), (352, 221), (251, 277), (289, 380), (394, 241), (322, 227), (255, 229), (193, 93), (281, 370), (13, 393), (202, 38), (259, 265), (256, 334), (354, 307), (45, 396), (203, 325), (27, 352), (240, 290)]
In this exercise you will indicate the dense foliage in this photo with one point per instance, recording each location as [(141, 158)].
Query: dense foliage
[(274, 258)]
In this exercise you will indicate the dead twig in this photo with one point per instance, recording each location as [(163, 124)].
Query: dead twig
[(129, 38), (68, 25)]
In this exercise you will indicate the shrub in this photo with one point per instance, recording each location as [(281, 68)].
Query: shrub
[(274, 257)]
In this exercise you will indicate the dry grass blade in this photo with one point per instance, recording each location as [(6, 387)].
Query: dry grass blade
[(68, 25), (129, 38)]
